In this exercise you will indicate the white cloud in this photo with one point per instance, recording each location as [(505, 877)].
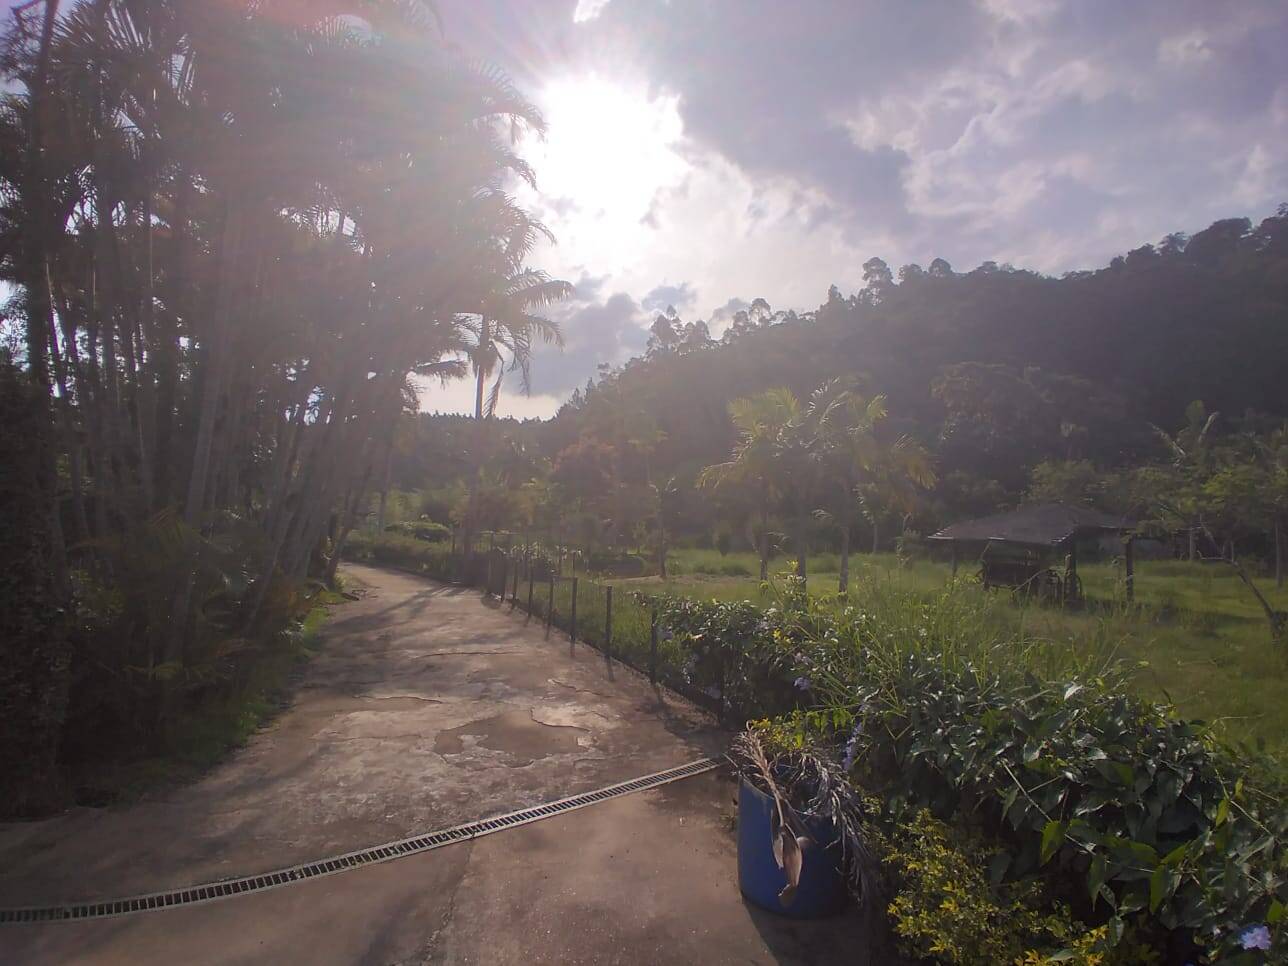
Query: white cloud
[(1190, 48), (588, 10), (729, 155)]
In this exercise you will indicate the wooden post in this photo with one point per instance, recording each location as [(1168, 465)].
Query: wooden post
[(720, 708), (531, 586), (550, 604), (1129, 561), (572, 621), (652, 643), (608, 623)]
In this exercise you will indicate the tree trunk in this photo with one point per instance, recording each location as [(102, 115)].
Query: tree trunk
[(211, 386), (844, 582), (167, 362), (216, 358), (661, 548), (346, 525), (764, 543), (70, 442), (384, 490), (36, 280), (471, 507), (1193, 547), (802, 550), (1279, 552)]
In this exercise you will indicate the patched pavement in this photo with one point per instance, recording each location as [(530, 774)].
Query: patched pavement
[(427, 708)]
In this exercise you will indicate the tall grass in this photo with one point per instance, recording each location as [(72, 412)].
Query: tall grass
[(1194, 636)]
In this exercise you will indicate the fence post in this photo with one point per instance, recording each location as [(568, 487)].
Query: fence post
[(572, 629), (608, 623), (652, 643), (514, 589), (550, 604), (1129, 562), (531, 586), (720, 708)]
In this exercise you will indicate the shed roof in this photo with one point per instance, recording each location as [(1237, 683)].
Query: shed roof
[(1039, 524)]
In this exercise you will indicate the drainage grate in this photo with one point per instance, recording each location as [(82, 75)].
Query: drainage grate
[(211, 891)]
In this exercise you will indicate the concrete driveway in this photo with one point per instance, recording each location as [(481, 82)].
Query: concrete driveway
[(427, 708)]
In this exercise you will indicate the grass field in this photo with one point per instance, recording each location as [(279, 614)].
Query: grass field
[(1196, 634)]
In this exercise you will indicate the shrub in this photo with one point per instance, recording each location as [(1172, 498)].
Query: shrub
[(426, 530), (729, 651), (1128, 813), (1159, 825), (944, 906), (408, 553)]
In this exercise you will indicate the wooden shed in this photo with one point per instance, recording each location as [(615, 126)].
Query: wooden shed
[(1034, 549)]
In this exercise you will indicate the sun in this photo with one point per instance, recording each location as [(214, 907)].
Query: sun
[(610, 149)]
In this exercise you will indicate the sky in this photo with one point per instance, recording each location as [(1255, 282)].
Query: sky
[(702, 152)]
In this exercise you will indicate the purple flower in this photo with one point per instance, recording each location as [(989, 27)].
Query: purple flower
[(852, 747), (802, 683), (1255, 937)]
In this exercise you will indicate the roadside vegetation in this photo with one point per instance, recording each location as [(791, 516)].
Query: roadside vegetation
[(1194, 635), (235, 239), (1017, 795), (253, 688)]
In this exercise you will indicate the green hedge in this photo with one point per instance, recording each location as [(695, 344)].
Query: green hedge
[(406, 553), (426, 530), (1140, 820)]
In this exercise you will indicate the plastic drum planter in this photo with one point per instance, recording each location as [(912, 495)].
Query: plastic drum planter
[(822, 887)]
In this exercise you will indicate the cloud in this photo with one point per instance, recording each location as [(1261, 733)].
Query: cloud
[(679, 297), (959, 128), (722, 315), (597, 328), (783, 146)]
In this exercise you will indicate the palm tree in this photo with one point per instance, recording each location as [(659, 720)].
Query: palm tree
[(860, 468), (758, 464), (1272, 453), (503, 331), (1191, 461), (240, 239)]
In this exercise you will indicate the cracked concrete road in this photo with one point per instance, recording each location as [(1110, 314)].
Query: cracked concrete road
[(426, 708)]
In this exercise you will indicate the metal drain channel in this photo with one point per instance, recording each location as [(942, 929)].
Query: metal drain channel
[(213, 891)]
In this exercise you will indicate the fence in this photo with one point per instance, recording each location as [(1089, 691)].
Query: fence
[(620, 624)]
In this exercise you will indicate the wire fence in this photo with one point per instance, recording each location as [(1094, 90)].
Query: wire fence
[(621, 624)]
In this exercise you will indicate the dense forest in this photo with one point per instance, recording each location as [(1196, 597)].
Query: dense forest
[(1111, 387), (218, 302)]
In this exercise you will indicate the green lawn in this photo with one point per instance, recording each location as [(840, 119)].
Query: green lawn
[(1197, 634)]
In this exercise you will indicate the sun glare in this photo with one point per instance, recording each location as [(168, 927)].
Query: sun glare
[(609, 151)]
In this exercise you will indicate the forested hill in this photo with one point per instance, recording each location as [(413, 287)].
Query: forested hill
[(996, 369)]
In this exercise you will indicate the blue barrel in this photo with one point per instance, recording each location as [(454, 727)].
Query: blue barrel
[(822, 887)]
